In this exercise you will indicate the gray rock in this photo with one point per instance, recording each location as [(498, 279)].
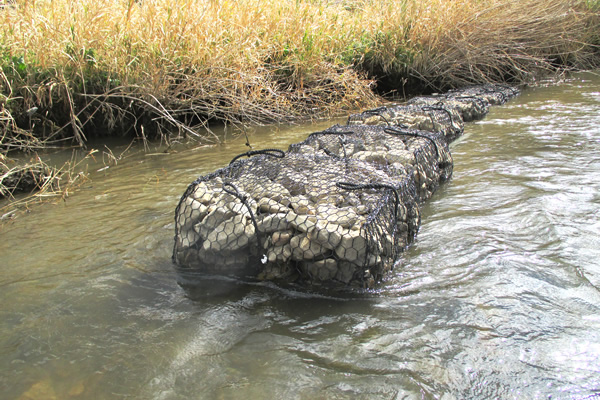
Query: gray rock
[(377, 157), (231, 235), (352, 247), (326, 233), (402, 157), (346, 217), (273, 223), (305, 249), (190, 212), (281, 254), (213, 219), (322, 270), (271, 206), (281, 238), (302, 223), (345, 271), (277, 192), (240, 208)]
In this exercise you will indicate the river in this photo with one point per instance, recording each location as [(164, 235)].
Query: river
[(499, 297)]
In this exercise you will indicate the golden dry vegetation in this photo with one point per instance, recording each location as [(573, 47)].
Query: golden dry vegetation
[(156, 68), (77, 68)]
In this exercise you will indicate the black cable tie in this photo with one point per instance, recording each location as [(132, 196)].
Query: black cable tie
[(342, 140), (269, 152), (439, 107), (393, 131), (230, 188), (329, 132), (378, 111)]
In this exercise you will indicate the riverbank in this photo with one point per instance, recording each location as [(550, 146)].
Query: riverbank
[(155, 70)]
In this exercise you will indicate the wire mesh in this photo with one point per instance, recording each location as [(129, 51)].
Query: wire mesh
[(435, 117), (336, 208)]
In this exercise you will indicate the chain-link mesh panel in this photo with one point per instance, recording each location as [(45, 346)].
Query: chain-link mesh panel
[(338, 207)]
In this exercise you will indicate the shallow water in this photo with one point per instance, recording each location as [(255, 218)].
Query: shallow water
[(499, 297)]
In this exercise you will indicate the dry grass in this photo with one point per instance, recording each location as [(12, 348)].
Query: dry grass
[(168, 69), (23, 184), (513, 41), (77, 68)]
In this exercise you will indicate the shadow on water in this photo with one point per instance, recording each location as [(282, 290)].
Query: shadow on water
[(199, 286)]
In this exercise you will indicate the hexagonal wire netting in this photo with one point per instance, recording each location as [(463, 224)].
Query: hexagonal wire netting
[(338, 207)]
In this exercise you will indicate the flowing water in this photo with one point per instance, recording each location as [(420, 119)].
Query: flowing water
[(499, 297)]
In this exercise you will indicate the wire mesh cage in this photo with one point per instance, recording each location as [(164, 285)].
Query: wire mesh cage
[(336, 208), (470, 108), (422, 155), (434, 117), (472, 103), (494, 94), (318, 217)]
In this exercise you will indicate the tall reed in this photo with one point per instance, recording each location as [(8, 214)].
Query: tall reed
[(71, 69)]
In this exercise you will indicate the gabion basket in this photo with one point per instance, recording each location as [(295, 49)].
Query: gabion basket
[(335, 209)]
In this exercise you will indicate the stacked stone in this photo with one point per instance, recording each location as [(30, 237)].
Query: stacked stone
[(468, 107), (319, 217), (422, 155), (495, 95), (424, 117), (471, 103), (337, 208)]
